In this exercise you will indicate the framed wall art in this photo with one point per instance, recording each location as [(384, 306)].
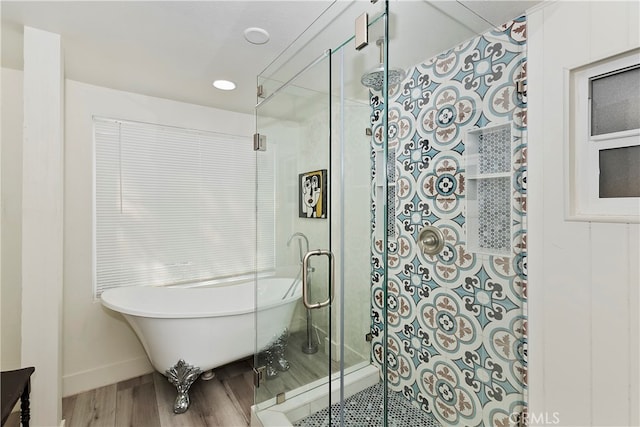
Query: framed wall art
[(312, 190)]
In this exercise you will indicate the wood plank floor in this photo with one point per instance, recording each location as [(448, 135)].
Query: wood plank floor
[(224, 401), (147, 401), (304, 369)]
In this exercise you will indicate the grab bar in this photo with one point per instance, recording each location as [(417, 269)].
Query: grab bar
[(305, 274)]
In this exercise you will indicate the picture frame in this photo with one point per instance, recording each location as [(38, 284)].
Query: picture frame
[(312, 194)]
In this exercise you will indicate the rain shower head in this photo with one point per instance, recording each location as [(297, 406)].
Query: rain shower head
[(374, 79)]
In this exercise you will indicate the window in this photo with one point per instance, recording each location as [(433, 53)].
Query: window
[(175, 206), (605, 149)]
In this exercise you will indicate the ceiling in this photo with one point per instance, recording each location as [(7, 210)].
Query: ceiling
[(175, 49)]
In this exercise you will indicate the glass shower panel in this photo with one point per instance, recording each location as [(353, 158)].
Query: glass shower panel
[(293, 185), (320, 119), (352, 233), (455, 325)]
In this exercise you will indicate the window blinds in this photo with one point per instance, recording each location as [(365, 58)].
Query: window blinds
[(176, 205)]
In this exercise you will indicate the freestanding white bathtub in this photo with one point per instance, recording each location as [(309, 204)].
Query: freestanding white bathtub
[(186, 331)]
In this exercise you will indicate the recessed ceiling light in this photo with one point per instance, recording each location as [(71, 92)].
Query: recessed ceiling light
[(224, 85), (256, 35)]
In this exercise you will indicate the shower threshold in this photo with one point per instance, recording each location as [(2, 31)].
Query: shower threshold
[(313, 397)]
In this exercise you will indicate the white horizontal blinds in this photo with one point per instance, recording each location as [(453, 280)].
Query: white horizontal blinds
[(173, 205), (265, 207)]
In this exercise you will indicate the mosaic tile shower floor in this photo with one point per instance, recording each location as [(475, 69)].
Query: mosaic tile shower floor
[(364, 409)]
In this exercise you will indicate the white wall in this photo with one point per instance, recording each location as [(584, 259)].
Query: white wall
[(99, 347), (42, 221), (11, 218), (583, 277)]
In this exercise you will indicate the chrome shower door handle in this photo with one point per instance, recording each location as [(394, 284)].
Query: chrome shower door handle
[(305, 278)]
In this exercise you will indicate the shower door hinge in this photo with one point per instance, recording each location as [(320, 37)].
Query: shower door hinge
[(521, 87), (259, 142), (362, 31), (260, 91), (368, 337), (259, 374), (280, 398)]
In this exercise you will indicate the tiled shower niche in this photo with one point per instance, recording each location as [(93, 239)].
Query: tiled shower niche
[(488, 160), (390, 183)]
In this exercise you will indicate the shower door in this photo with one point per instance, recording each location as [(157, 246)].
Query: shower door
[(317, 131), (313, 120), (293, 236)]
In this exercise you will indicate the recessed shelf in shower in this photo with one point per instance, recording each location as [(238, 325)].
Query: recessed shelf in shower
[(488, 154)]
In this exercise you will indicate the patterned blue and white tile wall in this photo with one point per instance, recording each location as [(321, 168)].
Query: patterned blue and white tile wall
[(457, 325)]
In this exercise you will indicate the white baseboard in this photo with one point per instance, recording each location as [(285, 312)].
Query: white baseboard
[(298, 324), (105, 375), (349, 353)]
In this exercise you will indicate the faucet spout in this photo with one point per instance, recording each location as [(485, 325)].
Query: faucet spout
[(301, 237)]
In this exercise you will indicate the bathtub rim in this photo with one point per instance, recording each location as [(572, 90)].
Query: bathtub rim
[(199, 292)]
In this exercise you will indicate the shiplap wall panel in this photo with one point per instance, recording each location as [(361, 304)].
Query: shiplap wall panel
[(633, 249), (584, 277), (612, 283), (609, 324), (634, 29), (599, 37), (567, 300)]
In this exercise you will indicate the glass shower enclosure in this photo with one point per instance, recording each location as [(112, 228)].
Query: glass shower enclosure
[(391, 202)]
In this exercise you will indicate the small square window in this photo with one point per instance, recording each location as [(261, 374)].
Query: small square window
[(620, 172), (605, 140), (615, 101)]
